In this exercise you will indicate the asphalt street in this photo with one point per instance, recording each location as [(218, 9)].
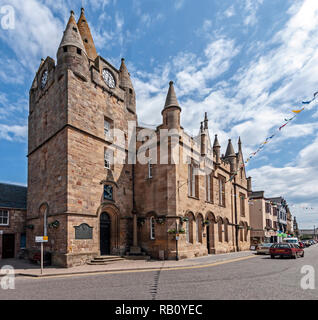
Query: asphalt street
[(253, 279)]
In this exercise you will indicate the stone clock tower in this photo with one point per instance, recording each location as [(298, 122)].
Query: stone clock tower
[(76, 195)]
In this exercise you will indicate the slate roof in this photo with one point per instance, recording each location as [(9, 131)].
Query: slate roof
[(12, 196)]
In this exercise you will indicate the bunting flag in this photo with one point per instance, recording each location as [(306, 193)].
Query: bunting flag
[(310, 101), (298, 111), (283, 126), (252, 155)]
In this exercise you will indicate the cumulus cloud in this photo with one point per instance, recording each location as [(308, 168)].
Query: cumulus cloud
[(13, 133), (34, 25)]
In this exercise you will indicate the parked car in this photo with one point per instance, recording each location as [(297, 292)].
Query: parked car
[(286, 250), (301, 244), (307, 243), (263, 248)]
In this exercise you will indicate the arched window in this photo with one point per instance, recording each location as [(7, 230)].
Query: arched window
[(241, 232), (245, 232), (188, 231), (189, 228), (220, 230), (152, 228), (226, 230), (199, 222)]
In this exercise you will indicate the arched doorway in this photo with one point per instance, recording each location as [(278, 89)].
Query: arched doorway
[(210, 233), (105, 230)]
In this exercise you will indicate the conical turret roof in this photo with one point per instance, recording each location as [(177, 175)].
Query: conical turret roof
[(72, 36), (230, 150), (171, 100), (216, 142), (86, 36), (124, 75)]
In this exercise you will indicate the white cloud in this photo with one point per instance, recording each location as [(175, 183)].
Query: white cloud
[(179, 4), (230, 12), (251, 8), (34, 25), (13, 133)]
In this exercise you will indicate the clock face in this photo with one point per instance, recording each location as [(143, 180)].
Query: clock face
[(109, 79), (44, 79), (108, 192)]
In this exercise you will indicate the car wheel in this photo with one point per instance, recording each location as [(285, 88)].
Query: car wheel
[(272, 257), (303, 255), (294, 256)]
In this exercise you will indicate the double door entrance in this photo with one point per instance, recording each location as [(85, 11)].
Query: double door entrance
[(105, 232)]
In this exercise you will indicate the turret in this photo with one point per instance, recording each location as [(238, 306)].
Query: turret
[(204, 135), (126, 84), (203, 140), (72, 53), (171, 112), (217, 150), (231, 156)]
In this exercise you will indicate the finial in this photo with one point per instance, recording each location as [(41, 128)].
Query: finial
[(72, 13), (171, 83), (82, 10), (206, 121)]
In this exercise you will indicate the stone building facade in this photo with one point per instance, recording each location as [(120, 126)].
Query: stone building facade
[(83, 116), (263, 219), (13, 202)]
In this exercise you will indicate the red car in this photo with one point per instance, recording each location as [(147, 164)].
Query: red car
[(286, 250)]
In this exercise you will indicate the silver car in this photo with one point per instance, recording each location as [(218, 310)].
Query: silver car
[(263, 248)]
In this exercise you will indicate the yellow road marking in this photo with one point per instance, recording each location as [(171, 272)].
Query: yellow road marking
[(147, 270)]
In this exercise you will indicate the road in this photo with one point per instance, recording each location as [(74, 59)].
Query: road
[(256, 278)]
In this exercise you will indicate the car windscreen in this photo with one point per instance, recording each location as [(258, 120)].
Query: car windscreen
[(281, 245)]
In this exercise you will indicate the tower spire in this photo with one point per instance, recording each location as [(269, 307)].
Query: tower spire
[(206, 121), (124, 75), (171, 100), (240, 145), (86, 36), (71, 35), (230, 150)]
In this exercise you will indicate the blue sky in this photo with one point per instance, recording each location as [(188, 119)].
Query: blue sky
[(248, 63)]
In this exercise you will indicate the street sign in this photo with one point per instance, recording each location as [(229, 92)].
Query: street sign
[(41, 239)]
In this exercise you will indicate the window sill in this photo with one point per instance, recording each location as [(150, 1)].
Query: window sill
[(195, 198), (209, 202)]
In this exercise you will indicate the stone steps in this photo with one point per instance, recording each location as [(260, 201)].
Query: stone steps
[(135, 257), (103, 260)]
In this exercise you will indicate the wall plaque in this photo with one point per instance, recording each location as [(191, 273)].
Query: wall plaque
[(83, 232)]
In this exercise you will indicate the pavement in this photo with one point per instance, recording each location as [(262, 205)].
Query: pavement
[(25, 269)]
